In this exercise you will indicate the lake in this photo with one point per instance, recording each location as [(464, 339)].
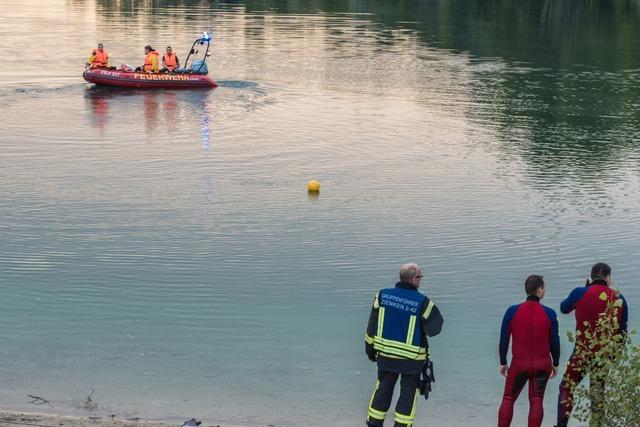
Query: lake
[(159, 251)]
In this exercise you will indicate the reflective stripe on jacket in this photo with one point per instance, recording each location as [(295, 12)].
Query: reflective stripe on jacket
[(393, 316), (399, 332)]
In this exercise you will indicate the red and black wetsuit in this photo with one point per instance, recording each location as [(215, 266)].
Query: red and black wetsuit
[(589, 302), (535, 347)]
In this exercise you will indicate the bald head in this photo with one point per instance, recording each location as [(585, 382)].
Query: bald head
[(411, 273)]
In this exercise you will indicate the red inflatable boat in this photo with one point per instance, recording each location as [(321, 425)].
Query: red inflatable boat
[(132, 79), (189, 77)]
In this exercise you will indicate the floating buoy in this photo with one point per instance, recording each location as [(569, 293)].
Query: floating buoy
[(313, 186)]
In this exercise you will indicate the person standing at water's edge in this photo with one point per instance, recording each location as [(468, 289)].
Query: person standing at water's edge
[(99, 58), (400, 321), (535, 352), (590, 302)]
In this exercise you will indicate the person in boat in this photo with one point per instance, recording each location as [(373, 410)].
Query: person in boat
[(99, 58), (396, 338), (589, 302), (170, 60), (150, 60), (535, 352)]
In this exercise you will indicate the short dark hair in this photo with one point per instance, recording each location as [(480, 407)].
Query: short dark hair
[(533, 283), (599, 271), (148, 47)]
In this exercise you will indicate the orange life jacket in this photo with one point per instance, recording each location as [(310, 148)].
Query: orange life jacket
[(149, 63), (170, 61), (100, 59)]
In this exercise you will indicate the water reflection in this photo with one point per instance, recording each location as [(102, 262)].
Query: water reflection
[(208, 187), (99, 108), (557, 80), (151, 111), (557, 28), (170, 105), (162, 111), (571, 126), (206, 124)]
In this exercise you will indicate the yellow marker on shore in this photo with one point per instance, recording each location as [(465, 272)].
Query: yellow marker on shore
[(313, 186)]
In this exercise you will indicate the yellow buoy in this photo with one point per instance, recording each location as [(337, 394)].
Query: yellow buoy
[(313, 185)]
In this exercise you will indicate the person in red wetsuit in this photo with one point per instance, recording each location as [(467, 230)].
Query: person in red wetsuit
[(535, 352), (589, 302)]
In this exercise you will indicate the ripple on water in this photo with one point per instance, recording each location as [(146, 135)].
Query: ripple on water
[(156, 239)]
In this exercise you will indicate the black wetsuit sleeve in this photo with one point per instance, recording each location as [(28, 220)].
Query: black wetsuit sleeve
[(431, 319), (505, 334), (372, 327), (625, 315), (569, 304), (555, 342)]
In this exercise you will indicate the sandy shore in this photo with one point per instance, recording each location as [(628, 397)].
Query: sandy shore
[(16, 419), (31, 419)]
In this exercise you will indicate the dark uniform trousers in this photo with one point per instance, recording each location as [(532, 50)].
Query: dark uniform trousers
[(381, 399)]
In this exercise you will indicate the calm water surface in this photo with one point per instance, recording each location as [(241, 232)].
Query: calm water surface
[(160, 247)]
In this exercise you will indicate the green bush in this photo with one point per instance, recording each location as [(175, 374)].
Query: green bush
[(612, 362)]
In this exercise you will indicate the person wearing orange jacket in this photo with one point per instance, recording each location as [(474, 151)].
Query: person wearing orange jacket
[(150, 60), (170, 60), (99, 58)]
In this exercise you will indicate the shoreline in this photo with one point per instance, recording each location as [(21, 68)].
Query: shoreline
[(38, 419), (41, 419), (20, 418)]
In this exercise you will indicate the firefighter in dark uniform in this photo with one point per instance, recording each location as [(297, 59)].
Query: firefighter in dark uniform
[(400, 321)]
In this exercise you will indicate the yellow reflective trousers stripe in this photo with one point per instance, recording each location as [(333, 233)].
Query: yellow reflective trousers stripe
[(378, 415), (373, 412), (415, 404), (408, 419)]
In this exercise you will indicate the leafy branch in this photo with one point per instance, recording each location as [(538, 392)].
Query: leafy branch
[(612, 362)]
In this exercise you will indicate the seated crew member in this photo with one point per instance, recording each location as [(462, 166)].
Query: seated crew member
[(589, 302), (170, 60), (150, 60), (396, 338), (535, 347), (99, 58)]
